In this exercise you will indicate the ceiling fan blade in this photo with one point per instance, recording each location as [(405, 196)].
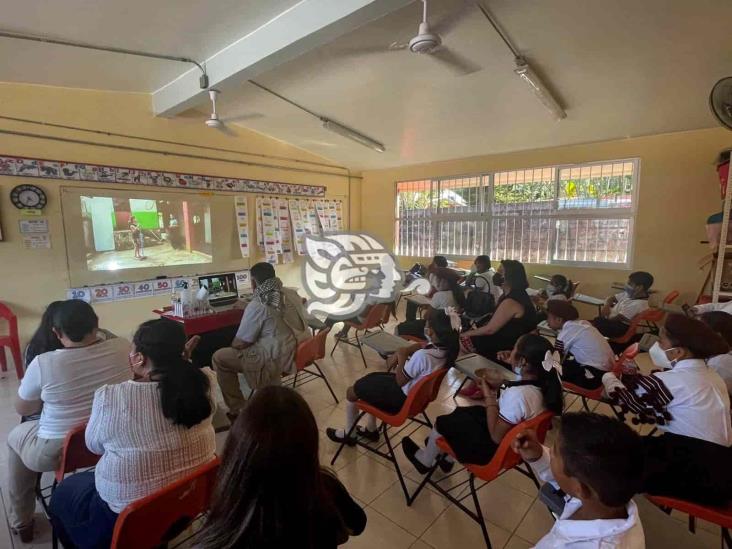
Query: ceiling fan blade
[(448, 23), (242, 117), (456, 62), (368, 50)]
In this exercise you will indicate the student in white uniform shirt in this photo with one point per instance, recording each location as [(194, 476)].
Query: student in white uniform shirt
[(559, 288), (721, 323), (586, 354), (481, 277), (474, 432), (448, 294), (690, 405), (596, 462), (725, 307), (619, 309), (388, 391)]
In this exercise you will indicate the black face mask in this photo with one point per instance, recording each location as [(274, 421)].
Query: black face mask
[(498, 279)]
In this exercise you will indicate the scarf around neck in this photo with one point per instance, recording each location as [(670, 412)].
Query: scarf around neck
[(269, 292)]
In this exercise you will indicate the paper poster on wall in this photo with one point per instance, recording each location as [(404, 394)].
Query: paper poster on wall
[(322, 216), (332, 215), (243, 282), (339, 214), (285, 232), (298, 226), (242, 224), (163, 286), (144, 289), (36, 241), (260, 234), (269, 229), (276, 216), (84, 294), (28, 226), (100, 294), (123, 291)]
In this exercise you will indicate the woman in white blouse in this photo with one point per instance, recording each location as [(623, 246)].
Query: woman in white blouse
[(149, 431)]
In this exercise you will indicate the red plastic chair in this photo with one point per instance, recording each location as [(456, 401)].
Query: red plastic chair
[(374, 319), (306, 354), (597, 394), (159, 518), (721, 516), (419, 397), (647, 319), (671, 297), (10, 340), (503, 460)]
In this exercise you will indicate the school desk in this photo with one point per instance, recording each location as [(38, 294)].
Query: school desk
[(589, 300)]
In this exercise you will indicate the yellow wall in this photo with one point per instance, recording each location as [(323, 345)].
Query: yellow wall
[(32, 278), (678, 191)]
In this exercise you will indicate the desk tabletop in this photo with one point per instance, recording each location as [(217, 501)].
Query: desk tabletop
[(588, 299), (545, 278), (468, 364), (385, 343)]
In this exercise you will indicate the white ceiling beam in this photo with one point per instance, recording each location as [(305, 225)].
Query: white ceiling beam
[(306, 26)]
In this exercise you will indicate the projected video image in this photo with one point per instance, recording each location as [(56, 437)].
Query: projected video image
[(131, 233)]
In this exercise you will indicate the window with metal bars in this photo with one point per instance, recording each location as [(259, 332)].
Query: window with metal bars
[(579, 214)]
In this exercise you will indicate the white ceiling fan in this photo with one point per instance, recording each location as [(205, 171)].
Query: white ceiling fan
[(214, 121), (428, 41)]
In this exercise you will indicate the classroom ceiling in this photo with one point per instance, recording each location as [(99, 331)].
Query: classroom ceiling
[(621, 69)]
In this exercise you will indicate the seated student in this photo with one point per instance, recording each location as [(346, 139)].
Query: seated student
[(481, 277), (437, 262), (689, 402), (449, 294), (272, 491), (474, 432), (721, 323), (388, 391), (274, 322), (586, 354), (150, 432), (43, 339), (725, 307), (62, 383), (559, 288), (597, 462), (619, 309)]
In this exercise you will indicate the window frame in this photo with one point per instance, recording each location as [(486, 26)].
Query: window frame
[(485, 213)]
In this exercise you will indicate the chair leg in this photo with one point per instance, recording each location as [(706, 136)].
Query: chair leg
[(360, 350), (422, 484), (338, 340), (427, 419), (340, 448), (3, 359), (294, 381), (479, 512), (465, 380), (396, 463), (726, 538), (322, 375), (18, 360), (585, 405), (692, 524)]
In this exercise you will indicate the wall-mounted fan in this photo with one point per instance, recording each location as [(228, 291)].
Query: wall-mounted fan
[(720, 101)]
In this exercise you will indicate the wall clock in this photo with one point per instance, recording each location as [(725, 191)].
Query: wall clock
[(28, 197)]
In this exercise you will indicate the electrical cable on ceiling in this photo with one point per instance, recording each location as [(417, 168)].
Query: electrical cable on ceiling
[(169, 142), (498, 29)]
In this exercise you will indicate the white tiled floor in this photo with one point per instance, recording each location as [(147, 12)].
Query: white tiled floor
[(516, 520)]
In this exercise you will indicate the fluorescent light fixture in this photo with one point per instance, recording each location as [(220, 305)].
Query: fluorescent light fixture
[(345, 131), (524, 71)]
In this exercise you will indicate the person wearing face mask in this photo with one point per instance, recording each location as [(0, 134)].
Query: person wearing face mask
[(388, 391), (474, 432), (150, 432), (559, 288), (619, 309), (689, 403), (448, 294)]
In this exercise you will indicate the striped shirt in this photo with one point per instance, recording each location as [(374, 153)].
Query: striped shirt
[(142, 451)]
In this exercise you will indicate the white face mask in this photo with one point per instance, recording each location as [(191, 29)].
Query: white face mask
[(517, 370), (659, 357), (551, 289), (427, 336)]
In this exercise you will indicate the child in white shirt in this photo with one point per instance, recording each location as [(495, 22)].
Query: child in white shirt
[(595, 462), (586, 353), (721, 323), (619, 309)]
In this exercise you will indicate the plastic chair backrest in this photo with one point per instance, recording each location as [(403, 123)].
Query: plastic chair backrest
[(671, 297), (7, 314), (424, 392), (505, 458), (374, 317), (649, 315), (629, 353), (721, 516), (160, 517), (75, 455), (311, 349), (575, 285)]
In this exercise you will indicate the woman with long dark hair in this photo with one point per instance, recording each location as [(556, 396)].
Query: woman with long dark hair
[(44, 339), (272, 491), (689, 404), (474, 432), (150, 431)]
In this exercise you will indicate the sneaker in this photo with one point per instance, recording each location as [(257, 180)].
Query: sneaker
[(25, 533), (445, 465), (332, 434), (410, 449), (371, 436)]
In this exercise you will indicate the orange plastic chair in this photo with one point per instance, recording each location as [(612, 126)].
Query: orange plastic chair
[(575, 285), (419, 397), (721, 516), (306, 354), (374, 319), (670, 297), (503, 460), (12, 341), (649, 316), (157, 519), (74, 456), (597, 394)]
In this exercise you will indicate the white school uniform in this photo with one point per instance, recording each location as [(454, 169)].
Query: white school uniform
[(722, 364), (624, 533), (484, 283), (586, 344), (443, 299), (725, 307), (627, 307), (422, 363), (519, 403)]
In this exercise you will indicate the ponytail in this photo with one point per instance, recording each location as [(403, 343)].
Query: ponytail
[(447, 337), (184, 389), (534, 348)]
